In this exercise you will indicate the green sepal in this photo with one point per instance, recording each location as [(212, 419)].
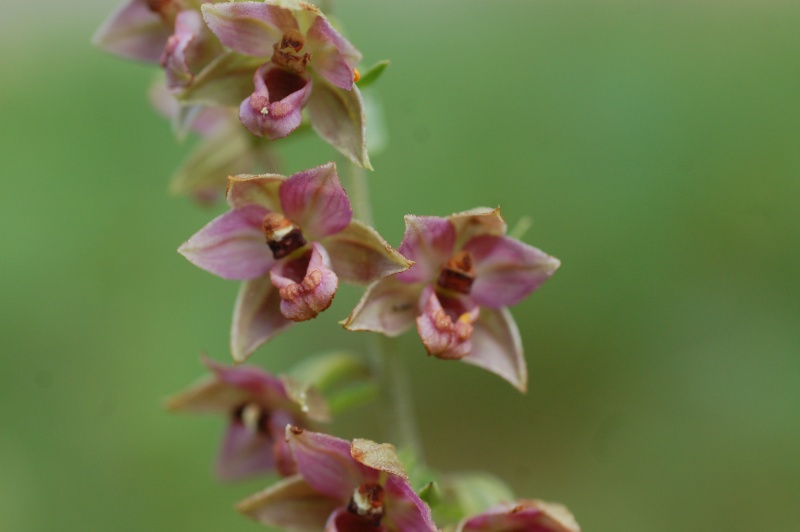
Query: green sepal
[(372, 74)]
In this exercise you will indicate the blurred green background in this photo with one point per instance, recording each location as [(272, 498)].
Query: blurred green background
[(656, 146)]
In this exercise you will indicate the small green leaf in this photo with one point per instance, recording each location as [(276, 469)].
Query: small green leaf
[(352, 396), (372, 74), (431, 494), (326, 370)]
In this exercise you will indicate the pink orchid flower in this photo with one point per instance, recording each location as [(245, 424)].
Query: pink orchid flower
[(466, 273), (169, 32), (341, 487), (290, 240), (305, 61), (258, 406), (527, 515)]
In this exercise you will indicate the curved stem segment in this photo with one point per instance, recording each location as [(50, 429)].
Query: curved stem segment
[(397, 409)]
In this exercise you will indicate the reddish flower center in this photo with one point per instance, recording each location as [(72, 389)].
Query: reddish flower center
[(253, 416), (367, 502), (458, 273), (283, 237), (287, 52)]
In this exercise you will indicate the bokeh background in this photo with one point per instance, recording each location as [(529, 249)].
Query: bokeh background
[(656, 147)]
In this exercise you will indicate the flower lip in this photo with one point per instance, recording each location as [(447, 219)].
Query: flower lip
[(367, 502), (458, 273), (283, 237)]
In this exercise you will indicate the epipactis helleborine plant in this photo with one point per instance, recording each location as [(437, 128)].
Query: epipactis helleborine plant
[(341, 487), (466, 273), (290, 240), (258, 406)]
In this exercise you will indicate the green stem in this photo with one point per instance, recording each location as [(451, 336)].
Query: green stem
[(397, 408)]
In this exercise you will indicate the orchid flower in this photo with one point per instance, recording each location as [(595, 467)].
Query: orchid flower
[(527, 515), (289, 240), (258, 406), (169, 32), (466, 273), (341, 487), (304, 61)]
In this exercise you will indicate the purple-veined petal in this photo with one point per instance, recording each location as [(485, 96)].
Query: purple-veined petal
[(134, 31), (290, 504), (250, 28), (507, 270), (428, 241), (270, 390), (244, 453), (333, 57), (337, 115), (528, 515), (446, 331), (315, 200), (255, 190), (343, 520), (275, 108), (326, 464), (256, 317), (306, 284), (404, 509), (360, 255), (497, 347), (232, 245), (388, 307), (477, 221)]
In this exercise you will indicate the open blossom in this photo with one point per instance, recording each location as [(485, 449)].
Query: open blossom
[(305, 61), (258, 406), (290, 240), (527, 515), (466, 273), (341, 487), (169, 32)]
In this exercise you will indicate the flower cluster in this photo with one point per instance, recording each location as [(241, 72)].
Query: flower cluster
[(243, 74)]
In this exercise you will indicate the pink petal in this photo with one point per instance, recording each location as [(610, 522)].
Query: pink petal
[(134, 32), (289, 504), (344, 521), (428, 241), (244, 453), (326, 464), (333, 57), (338, 117), (255, 190), (445, 324), (268, 389), (316, 201), (360, 255), (232, 245), (306, 285), (275, 108), (507, 270), (183, 53), (496, 347), (250, 28), (388, 307), (533, 516), (404, 509), (478, 221), (256, 317)]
